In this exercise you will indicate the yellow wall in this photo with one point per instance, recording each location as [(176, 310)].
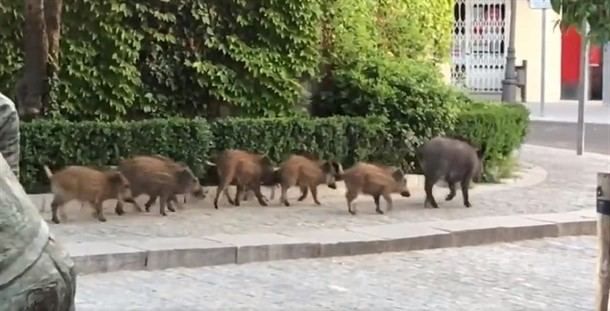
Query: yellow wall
[(528, 44)]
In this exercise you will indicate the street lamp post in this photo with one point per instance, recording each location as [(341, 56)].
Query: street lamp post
[(509, 84)]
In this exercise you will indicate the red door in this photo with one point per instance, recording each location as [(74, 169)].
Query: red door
[(570, 66)]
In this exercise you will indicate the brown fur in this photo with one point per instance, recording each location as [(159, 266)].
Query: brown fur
[(158, 176), (307, 174), (375, 180), (86, 185), (246, 169)]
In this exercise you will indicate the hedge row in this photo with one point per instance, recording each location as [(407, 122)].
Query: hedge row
[(348, 139)]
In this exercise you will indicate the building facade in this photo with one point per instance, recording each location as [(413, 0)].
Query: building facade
[(480, 42)]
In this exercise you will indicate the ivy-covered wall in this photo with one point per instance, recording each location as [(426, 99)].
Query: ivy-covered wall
[(154, 58)]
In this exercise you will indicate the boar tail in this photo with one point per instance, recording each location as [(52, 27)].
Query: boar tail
[(47, 171)]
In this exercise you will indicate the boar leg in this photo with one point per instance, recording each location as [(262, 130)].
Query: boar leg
[(163, 200), (222, 189), (377, 208), (283, 196), (388, 199), (272, 194), (238, 192), (55, 205), (259, 195), (99, 210), (304, 191), (118, 208), (350, 196), (465, 185), (429, 197), (314, 194), (451, 194)]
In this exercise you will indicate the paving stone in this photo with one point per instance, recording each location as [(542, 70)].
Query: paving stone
[(548, 274), (569, 223), (165, 253), (408, 236), (92, 257), (268, 246), (340, 242)]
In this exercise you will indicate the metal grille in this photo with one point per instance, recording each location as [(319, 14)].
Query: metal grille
[(479, 50)]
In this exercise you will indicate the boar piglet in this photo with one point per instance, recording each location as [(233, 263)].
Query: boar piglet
[(86, 184), (158, 177), (247, 170), (451, 160), (375, 180), (307, 174)]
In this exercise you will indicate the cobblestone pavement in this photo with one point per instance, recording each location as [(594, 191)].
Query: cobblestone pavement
[(569, 186), (551, 274)]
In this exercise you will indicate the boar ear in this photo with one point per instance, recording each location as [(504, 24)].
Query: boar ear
[(327, 167), (398, 174)]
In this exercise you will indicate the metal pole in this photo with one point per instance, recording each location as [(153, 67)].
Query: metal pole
[(583, 87), (509, 84), (543, 64), (606, 75), (603, 240)]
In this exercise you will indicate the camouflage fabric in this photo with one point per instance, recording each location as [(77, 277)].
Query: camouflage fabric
[(9, 133), (36, 273)]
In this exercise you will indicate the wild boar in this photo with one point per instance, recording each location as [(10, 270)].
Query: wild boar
[(452, 160), (174, 198), (246, 170), (307, 174), (86, 185), (274, 180), (158, 177), (375, 180)]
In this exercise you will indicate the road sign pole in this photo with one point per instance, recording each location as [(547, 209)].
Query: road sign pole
[(543, 63), (583, 92)]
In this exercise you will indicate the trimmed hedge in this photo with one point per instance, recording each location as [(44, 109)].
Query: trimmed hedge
[(60, 143), (500, 128)]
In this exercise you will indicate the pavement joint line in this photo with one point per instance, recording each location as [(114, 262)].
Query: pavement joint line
[(222, 249)]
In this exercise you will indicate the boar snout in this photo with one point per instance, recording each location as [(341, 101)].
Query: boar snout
[(199, 192), (405, 193)]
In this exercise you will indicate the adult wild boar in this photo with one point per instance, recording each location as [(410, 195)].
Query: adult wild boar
[(452, 160)]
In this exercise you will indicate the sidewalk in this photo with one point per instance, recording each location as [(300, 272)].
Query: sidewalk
[(567, 111), (554, 181)]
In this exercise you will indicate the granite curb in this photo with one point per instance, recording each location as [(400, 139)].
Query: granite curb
[(220, 249)]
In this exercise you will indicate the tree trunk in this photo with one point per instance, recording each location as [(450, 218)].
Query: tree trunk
[(32, 87)]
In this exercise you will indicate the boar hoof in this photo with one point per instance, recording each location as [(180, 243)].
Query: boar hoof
[(449, 197), (352, 212), (171, 209), (467, 204), (55, 220), (164, 214), (147, 208), (286, 203), (379, 211), (102, 219), (119, 211)]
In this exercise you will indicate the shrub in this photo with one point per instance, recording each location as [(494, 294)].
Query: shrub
[(498, 128), (61, 143), (410, 95)]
